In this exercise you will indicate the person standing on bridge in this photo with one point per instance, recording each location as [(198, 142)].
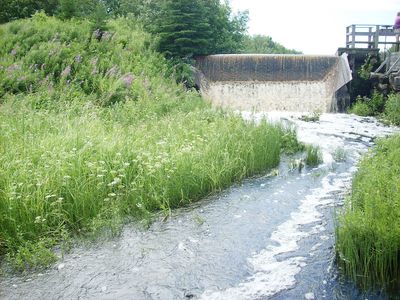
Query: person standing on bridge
[(396, 29)]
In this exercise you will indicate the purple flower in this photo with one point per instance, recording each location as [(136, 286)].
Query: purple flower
[(12, 68), (127, 79)]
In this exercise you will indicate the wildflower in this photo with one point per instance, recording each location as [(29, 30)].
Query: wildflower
[(13, 52), (127, 79), (106, 36), (39, 220), (78, 58), (66, 72), (115, 181), (13, 68), (96, 33), (94, 61), (112, 72)]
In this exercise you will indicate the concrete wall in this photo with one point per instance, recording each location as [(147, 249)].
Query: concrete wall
[(270, 82)]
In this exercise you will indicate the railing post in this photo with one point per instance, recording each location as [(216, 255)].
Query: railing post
[(376, 36), (353, 36)]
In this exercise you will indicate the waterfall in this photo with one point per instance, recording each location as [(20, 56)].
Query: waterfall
[(261, 82)]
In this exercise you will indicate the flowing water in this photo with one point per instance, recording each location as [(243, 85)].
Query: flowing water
[(270, 237)]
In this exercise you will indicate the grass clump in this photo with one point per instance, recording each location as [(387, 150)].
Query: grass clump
[(368, 230), (95, 131), (313, 156)]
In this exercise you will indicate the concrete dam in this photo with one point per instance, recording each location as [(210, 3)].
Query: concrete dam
[(264, 82)]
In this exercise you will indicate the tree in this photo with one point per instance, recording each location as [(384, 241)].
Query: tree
[(16, 9), (183, 29), (199, 27), (264, 45), (228, 30)]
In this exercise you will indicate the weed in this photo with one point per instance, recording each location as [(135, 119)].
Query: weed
[(340, 155), (313, 156), (314, 117)]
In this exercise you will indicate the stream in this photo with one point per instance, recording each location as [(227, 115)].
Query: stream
[(269, 237)]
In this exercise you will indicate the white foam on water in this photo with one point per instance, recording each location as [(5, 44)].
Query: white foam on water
[(270, 273)]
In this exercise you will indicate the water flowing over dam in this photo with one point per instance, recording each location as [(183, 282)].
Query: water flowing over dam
[(263, 82)]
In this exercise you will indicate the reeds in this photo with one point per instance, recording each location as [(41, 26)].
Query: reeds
[(368, 230)]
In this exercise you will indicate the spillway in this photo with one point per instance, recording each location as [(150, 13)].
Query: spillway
[(262, 82)]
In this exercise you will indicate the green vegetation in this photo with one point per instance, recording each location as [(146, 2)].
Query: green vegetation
[(361, 108), (314, 117), (339, 155), (95, 131), (392, 109), (386, 108), (313, 156), (365, 106), (260, 44), (190, 28), (368, 230)]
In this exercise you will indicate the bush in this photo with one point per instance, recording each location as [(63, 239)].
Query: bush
[(360, 108), (365, 106), (392, 109)]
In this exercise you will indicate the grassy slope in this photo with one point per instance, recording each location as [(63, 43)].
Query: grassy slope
[(92, 131), (368, 232)]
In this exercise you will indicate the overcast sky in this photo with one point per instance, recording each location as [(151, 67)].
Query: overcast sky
[(314, 26)]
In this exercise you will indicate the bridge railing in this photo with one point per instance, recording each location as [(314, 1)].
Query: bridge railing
[(369, 36)]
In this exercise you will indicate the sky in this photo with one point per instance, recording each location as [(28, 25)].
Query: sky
[(314, 26)]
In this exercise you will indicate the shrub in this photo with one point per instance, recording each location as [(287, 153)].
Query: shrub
[(360, 108), (365, 106), (392, 109)]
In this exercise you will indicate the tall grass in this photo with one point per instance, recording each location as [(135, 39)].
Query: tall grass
[(368, 231), (95, 131), (392, 109)]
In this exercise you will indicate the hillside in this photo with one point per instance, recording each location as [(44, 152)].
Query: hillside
[(95, 132)]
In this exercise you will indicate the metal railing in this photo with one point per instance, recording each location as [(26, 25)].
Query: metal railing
[(369, 36)]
